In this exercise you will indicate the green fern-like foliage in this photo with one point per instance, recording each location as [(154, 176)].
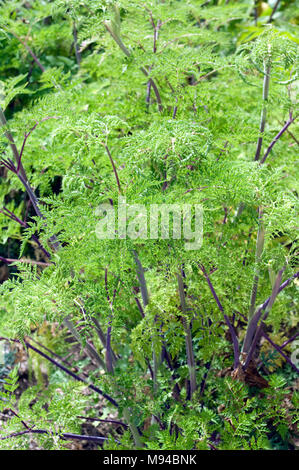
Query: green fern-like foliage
[(159, 103)]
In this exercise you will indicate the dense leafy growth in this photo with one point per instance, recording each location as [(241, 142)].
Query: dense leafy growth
[(157, 102)]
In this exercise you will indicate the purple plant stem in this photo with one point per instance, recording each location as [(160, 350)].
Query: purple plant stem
[(162, 425), (143, 69), (235, 342), (13, 217), (55, 355), (9, 164), (149, 83), (156, 33), (100, 332), (109, 357), (79, 437), (64, 436), (275, 346), (274, 11), (114, 168), (260, 240), (249, 332), (156, 91), (141, 279), (212, 447), (277, 137), (60, 366), (23, 422), (148, 93), (222, 150), (139, 306), (256, 317), (212, 288), (36, 60), (89, 347), (267, 69), (77, 52), (281, 287), (28, 134), (225, 215), (109, 364), (28, 261), (176, 389), (20, 172), (246, 251), (35, 238), (289, 341), (293, 137), (204, 379), (72, 374), (188, 337), (174, 110), (231, 329), (113, 421)]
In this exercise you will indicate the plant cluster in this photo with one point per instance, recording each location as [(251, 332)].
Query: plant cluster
[(160, 102)]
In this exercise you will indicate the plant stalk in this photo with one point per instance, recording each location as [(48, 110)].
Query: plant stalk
[(267, 70), (254, 319), (258, 253), (188, 337)]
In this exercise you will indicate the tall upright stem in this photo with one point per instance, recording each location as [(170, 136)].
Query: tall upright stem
[(12, 144), (267, 69), (113, 167), (188, 338), (266, 83), (277, 137), (258, 253), (230, 326), (274, 11), (34, 57), (254, 319), (126, 51), (76, 47)]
